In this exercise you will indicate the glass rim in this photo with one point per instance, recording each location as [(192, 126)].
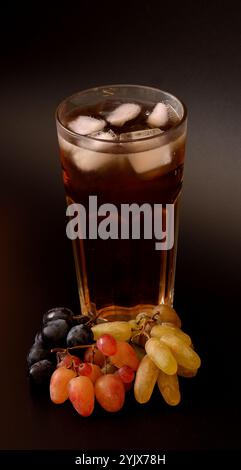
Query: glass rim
[(122, 85)]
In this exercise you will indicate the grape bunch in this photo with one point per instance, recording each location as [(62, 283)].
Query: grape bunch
[(82, 361), (61, 330), (105, 374), (85, 361), (168, 354)]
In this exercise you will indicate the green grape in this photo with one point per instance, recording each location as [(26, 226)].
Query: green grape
[(167, 314), (161, 356), (184, 372), (120, 330), (169, 388), (159, 330), (185, 355), (146, 377)]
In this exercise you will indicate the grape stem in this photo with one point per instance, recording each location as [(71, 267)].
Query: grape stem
[(81, 346), (56, 350), (155, 316), (72, 347), (142, 328), (92, 320)]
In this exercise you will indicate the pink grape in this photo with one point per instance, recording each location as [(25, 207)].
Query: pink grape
[(90, 370), (85, 369), (107, 345), (126, 374), (127, 386), (110, 392), (69, 361), (81, 395), (95, 373), (95, 356), (59, 384), (76, 361), (125, 356)]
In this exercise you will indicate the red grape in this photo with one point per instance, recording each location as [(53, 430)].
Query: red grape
[(110, 392), (90, 370), (81, 395), (95, 373), (127, 386), (126, 374), (107, 345), (76, 361), (59, 384), (69, 361), (85, 369), (125, 356), (93, 355)]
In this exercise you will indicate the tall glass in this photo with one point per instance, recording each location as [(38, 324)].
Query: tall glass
[(118, 277)]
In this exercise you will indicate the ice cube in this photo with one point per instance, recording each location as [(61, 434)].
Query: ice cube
[(86, 159), (144, 162), (85, 125), (138, 135), (159, 116), (109, 135), (125, 112)]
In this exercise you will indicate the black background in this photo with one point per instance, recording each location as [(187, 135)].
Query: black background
[(191, 49)]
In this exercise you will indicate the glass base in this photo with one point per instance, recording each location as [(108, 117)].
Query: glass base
[(117, 313)]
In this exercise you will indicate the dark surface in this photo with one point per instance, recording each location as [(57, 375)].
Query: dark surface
[(193, 51)]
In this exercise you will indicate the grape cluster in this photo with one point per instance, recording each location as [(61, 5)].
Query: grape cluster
[(105, 374), (60, 329), (84, 361), (168, 354)]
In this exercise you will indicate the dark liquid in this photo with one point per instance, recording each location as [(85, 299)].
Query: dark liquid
[(122, 277)]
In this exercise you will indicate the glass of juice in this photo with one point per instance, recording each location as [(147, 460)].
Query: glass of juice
[(122, 156)]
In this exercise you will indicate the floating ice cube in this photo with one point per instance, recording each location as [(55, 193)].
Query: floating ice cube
[(143, 162), (143, 134), (125, 112), (159, 116), (159, 159), (109, 135), (84, 125), (86, 159)]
